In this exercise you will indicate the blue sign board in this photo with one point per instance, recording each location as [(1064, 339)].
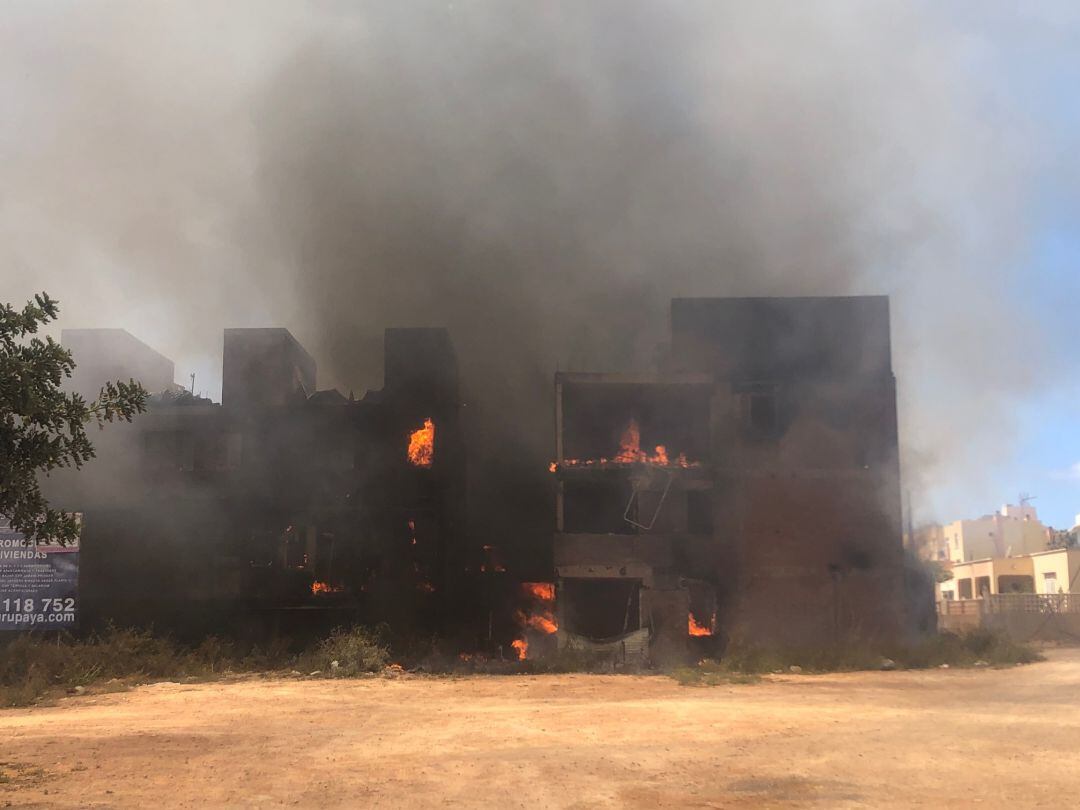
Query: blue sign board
[(39, 582)]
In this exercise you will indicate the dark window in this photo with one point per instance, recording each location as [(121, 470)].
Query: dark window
[(600, 608), (1016, 583), (760, 410), (295, 550)]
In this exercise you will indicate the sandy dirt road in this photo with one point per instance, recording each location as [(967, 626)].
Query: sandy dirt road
[(992, 738)]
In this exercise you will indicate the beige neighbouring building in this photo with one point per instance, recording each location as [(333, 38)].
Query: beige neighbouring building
[(1057, 571), (1012, 532), (1031, 597), (1045, 572), (988, 577)]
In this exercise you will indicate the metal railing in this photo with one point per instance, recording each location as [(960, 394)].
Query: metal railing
[(1033, 603), (1012, 603)]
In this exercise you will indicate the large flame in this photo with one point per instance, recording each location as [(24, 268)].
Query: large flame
[(543, 620), (422, 445), (540, 615), (698, 629), (630, 452)]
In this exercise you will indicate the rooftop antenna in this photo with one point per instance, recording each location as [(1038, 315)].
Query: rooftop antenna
[(1025, 499), (193, 383)]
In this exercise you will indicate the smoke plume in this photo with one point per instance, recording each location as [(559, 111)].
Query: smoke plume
[(541, 178)]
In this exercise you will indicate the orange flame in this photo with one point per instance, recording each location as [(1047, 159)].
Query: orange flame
[(422, 445), (544, 591), (630, 452), (543, 620), (630, 444), (318, 587), (696, 629), (540, 618)]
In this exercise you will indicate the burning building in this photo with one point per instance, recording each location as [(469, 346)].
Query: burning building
[(283, 503), (748, 488)]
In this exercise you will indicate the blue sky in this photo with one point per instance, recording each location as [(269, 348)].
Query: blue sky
[(1034, 50), (1046, 458)]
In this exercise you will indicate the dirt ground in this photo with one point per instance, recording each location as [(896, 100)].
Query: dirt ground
[(944, 738)]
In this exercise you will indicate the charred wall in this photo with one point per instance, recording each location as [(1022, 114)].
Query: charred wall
[(766, 489), (282, 506)]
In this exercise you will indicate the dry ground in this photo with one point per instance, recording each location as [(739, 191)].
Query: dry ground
[(951, 738)]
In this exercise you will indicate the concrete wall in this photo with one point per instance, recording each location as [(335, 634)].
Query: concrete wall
[(993, 536), (1059, 627), (264, 368), (107, 355), (802, 466)]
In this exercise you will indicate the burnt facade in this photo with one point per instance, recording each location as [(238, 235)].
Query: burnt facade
[(746, 490), (283, 505)]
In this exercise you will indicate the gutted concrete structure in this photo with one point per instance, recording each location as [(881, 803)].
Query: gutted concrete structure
[(281, 505), (748, 488)]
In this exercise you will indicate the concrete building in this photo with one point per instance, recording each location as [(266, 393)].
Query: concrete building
[(1045, 572), (1056, 571), (747, 489), (1012, 531), (113, 354), (281, 504), (988, 577), (927, 542)]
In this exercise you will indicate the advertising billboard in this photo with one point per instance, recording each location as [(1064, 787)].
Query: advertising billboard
[(39, 582)]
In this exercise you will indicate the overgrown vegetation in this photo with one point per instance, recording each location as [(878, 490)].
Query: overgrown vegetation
[(33, 667), (976, 648), (348, 653)]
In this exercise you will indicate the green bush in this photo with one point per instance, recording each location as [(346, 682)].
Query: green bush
[(349, 652)]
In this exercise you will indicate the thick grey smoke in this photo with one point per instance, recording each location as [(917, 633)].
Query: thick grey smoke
[(539, 177)]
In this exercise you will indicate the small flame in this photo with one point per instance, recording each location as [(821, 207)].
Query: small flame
[(630, 452), (426, 587), (522, 647), (544, 591), (696, 629), (422, 445), (630, 444), (319, 587)]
